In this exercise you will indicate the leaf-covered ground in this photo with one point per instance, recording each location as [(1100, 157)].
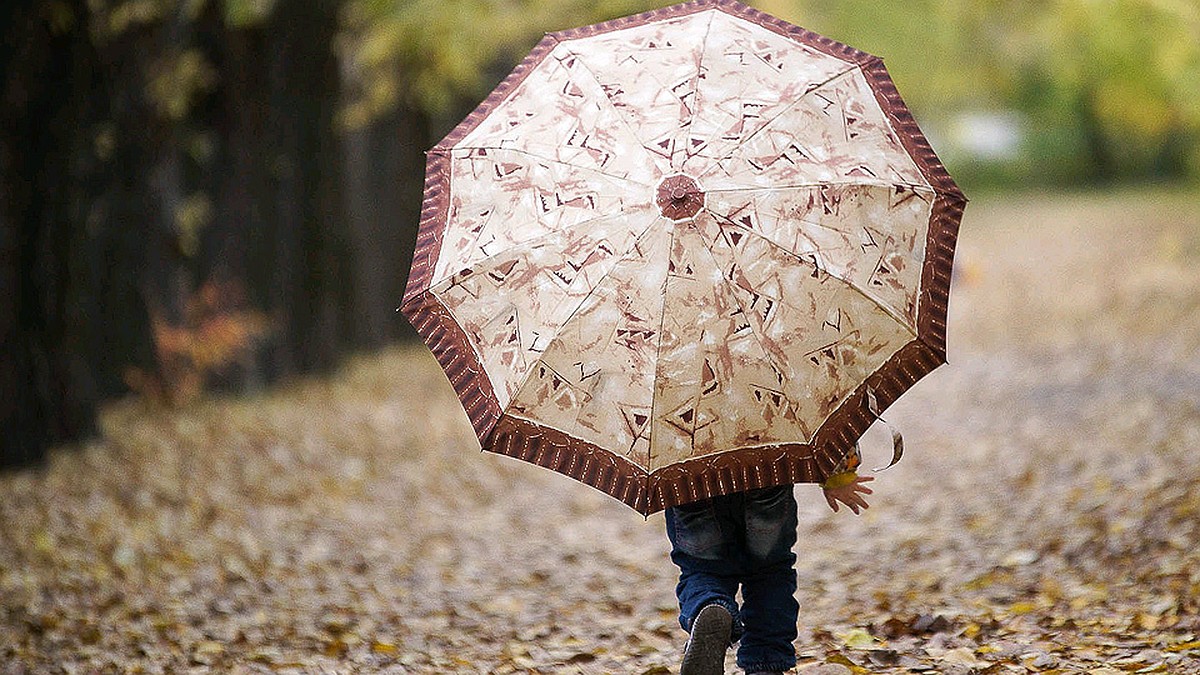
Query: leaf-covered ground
[(1046, 517)]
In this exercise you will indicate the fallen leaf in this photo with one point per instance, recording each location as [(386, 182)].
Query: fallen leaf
[(962, 656), (858, 638), (385, 648)]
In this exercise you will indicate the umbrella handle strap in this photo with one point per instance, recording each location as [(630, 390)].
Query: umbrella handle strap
[(897, 438)]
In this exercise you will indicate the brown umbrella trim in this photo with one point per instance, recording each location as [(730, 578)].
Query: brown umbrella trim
[(436, 205), (936, 274), (435, 208), (947, 208), (450, 346), (726, 473), (583, 461), (910, 134)]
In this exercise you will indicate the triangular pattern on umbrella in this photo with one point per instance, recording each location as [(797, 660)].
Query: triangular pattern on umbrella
[(674, 255), (663, 59), (750, 77), (617, 326)]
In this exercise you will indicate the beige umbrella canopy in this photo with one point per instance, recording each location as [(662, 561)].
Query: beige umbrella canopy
[(685, 253)]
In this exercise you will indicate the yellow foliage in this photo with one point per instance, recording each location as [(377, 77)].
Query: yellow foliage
[(435, 54), (125, 15), (191, 216), (178, 80)]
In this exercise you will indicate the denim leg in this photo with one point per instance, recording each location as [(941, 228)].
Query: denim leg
[(703, 547), (769, 607)]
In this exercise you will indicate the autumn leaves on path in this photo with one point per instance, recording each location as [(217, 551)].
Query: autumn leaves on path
[(1046, 517)]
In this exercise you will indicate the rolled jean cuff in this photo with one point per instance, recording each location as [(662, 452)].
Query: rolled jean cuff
[(768, 666)]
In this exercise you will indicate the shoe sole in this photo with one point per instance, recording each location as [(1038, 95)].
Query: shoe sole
[(705, 651)]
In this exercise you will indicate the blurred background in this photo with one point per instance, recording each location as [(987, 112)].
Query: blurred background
[(231, 455), (209, 194)]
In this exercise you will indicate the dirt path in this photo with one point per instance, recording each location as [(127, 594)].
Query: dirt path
[(1046, 517)]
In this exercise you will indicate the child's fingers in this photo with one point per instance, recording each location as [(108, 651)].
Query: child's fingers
[(859, 503)]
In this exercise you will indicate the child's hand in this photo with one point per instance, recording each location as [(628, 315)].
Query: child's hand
[(850, 494)]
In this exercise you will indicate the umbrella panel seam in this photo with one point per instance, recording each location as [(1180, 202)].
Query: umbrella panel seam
[(662, 320), (922, 187), (437, 282), (842, 400), (753, 329), (541, 158), (696, 82), (715, 163), (613, 106), (891, 313), (551, 339), (550, 342)]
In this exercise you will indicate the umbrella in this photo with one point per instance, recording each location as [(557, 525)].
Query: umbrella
[(685, 253)]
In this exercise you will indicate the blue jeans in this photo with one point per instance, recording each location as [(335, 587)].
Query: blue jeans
[(745, 540)]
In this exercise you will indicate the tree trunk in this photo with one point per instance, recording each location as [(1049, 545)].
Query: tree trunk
[(60, 355), (310, 290), (385, 173), (94, 173)]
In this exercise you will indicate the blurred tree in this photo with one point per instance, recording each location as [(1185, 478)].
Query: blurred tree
[(413, 69), (68, 320), (435, 55), (1122, 77), (1110, 90), (160, 156), (154, 153)]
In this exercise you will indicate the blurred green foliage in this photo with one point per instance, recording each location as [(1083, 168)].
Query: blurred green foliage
[(434, 54), (1100, 91), (1093, 91)]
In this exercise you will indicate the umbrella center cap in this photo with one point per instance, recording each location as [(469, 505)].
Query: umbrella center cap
[(679, 197)]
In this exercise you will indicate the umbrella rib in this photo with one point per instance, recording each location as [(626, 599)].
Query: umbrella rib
[(699, 70), (865, 183), (592, 291), (788, 108), (438, 285), (870, 185), (628, 123), (760, 339), (546, 159), (622, 258), (662, 322), (895, 316), (542, 158)]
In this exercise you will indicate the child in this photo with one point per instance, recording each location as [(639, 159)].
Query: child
[(744, 539)]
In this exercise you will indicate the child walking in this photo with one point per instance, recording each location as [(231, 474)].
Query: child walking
[(744, 540)]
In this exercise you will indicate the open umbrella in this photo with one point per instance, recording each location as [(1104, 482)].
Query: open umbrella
[(685, 253)]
